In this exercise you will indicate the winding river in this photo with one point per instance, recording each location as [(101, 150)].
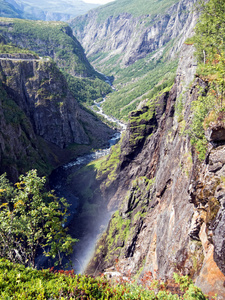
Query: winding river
[(83, 250)]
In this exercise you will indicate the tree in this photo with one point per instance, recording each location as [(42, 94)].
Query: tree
[(210, 31), (209, 42), (32, 218), (210, 46), (210, 49)]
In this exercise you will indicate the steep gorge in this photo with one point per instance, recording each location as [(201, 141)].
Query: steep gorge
[(169, 204)]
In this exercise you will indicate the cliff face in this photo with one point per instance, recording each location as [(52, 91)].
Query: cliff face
[(39, 91), (134, 37), (170, 204), (20, 148)]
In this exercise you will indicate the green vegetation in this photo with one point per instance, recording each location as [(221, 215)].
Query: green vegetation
[(139, 123), (85, 90), (209, 41), (52, 39), (109, 165), (119, 231), (11, 49), (135, 7), (55, 40), (125, 222), (142, 80), (20, 283), (31, 219)]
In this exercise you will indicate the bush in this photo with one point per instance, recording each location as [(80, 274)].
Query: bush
[(18, 282), (30, 219)]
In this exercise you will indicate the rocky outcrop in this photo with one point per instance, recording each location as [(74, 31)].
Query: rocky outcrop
[(135, 37), (170, 204), (215, 132)]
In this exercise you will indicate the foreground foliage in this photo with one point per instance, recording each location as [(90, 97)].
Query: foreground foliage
[(31, 219), (18, 282)]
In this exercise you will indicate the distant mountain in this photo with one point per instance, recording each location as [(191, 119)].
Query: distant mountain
[(44, 10), (7, 9)]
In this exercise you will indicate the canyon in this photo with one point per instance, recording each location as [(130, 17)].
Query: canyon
[(168, 201), (165, 200)]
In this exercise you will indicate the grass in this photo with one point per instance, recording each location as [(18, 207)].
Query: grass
[(109, 165)]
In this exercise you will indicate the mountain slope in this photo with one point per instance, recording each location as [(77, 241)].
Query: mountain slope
[(55, 39), (10, 11), (166, 175), (39, 93), (20, 148), (48, 39)]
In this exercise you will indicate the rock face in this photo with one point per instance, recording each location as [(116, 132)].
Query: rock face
[(39, 91), (216, 133), (134, 37), (170, 215), (20, 148)]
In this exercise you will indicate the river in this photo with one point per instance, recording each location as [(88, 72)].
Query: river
[(86, 229)]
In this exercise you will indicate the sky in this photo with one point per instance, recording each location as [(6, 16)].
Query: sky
[(98, 1)]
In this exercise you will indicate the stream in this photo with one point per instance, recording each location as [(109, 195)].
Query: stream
[(86, 230)]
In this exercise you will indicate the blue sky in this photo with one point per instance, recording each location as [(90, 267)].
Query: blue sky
[(98, 1)]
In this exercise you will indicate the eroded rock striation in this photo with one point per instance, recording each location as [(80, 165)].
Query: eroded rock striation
[(170, 205)]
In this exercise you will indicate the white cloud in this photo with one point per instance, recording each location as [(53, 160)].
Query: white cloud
[(98, 1)]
